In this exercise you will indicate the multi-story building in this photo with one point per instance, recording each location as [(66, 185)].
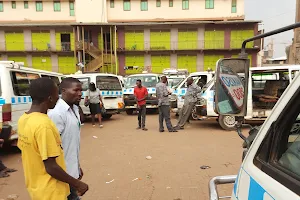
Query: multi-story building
[(114, 35)]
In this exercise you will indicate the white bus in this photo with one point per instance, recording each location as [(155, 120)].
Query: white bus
[(14, 94), (110, 87)]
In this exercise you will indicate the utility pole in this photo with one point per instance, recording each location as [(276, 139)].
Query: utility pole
[(294, 55)]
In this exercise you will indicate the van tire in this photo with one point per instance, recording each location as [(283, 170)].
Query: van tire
[(194, 115), (129, 111), (107, 116), (227, 122)]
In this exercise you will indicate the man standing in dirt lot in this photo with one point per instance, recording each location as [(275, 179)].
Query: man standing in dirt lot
[(141, 94), (66, 117), (162, 94), (190, 100)]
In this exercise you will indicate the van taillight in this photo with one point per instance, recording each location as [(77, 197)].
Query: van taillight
[(6, 112)]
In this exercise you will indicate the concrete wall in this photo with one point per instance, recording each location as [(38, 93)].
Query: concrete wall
[(20, 14), (196, 11), (91, 11)]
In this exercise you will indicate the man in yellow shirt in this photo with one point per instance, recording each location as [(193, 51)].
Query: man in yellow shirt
[(40, 143)]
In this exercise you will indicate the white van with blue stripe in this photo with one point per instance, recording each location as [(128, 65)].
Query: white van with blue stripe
[(149, 81), (271, 158), (14, 94), (110, 87), (179, 91)]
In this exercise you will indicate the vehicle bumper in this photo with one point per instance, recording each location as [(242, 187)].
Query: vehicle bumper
[(131, 104)]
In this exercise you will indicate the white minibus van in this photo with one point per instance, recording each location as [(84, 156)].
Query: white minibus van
[(14, 94), (110, 88), (265, 87)]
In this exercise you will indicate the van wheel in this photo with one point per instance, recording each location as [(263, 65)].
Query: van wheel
[(107, 116), (194, 114), (129, 112), (227, 122)]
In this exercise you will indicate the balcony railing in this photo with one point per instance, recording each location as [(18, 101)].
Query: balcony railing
[(35, 46), (182, 45)]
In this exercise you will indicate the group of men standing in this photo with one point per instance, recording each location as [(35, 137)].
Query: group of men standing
[(162, 94), (50, 141)]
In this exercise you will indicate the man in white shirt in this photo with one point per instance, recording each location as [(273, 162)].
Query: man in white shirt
[(66, 117)]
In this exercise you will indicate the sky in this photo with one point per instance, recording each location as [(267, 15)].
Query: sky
[(273, 14)]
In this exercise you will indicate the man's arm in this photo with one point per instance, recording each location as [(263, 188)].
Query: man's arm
[(165, 91), (54, 170), (58, 121)]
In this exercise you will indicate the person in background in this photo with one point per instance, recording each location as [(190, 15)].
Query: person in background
[(162, 94), (40, 143), (190, 100), (66, 117), (141, 94), (4, 171), (95, 103)]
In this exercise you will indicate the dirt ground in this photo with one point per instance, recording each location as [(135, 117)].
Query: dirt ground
[(116, 168)]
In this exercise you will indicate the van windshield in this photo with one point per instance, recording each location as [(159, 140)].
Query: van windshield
[(207, 85), (85, 83), (108, 83), (147, 81)]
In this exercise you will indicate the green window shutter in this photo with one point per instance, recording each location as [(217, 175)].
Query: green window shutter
[(39, 6), (158, 3), (126, 5), (56, 5), (13, 5), (144, 5), (26, 6), (112, 3), (1, 6), (170, 3), (233, 6), (185, 4), (209, 4)]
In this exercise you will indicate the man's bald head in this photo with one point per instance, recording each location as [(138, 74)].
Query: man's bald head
[(190, 81), (164, 79)]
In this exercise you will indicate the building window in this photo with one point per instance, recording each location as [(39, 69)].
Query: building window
[(1, 6), (26, 6), (112, 3), (209, 4), (126, 5), (158, 3), (170, 3), (39, 6), (233, 6), (144, 5), (56, 6), (13, 5), (185, 4), (72, 10)]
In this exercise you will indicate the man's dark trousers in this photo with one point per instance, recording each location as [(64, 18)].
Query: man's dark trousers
[(142, 116)]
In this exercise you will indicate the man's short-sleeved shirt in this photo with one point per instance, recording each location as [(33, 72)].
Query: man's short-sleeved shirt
[(39, 140), (140, 93), (162, 94), (67, 121)]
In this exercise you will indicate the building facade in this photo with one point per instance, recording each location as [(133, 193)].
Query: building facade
[(124, 36)]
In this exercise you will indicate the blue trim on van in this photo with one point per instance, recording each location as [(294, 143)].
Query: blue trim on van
[(2, 101)]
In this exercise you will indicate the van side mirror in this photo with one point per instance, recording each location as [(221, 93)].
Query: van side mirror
[(232, 86)]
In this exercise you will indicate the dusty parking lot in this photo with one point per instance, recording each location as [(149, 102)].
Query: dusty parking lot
[(115, 164)]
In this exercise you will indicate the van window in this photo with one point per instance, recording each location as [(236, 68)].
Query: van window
[(21, 82), (279, 153), (53, 78), (147, 81), (85, 83), (108, 83)]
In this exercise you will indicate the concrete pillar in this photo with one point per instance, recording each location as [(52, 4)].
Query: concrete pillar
[(147, 60), (147, 39), (200, 62), (2, 40), (27, 40), (121, 59), (29, 60), (54, 60), (201, 37), (121, 38), (52, 40), (174, 38), (173, 61)]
